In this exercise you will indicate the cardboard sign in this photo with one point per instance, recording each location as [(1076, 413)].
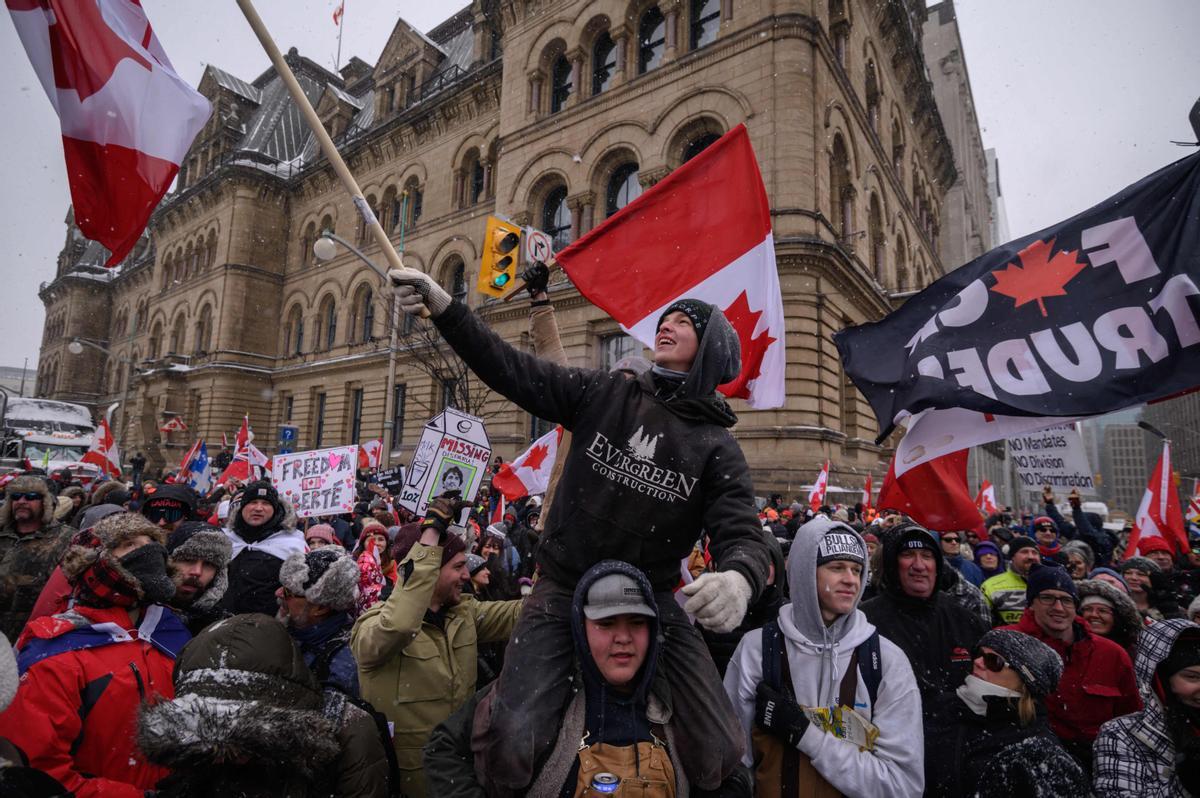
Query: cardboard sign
[(391, 479), (453, 454), (1053, 457), (317, 482)]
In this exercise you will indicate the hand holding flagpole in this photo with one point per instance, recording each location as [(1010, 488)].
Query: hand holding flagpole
[(335, 158)]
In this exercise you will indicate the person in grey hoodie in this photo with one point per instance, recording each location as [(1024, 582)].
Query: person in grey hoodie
[(823, 633)]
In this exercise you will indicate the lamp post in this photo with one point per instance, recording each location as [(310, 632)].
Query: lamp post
[(325, 248), (75, 347)]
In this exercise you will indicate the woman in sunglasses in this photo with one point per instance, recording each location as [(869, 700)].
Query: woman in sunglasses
[(993, 739)]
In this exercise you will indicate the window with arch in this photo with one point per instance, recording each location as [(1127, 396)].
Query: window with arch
[(391, 210), (306, 244), (698, 145), (156, 335), (705, 22), (455, 272), (204, 324), (327, 323), (839, 30), (841, 193), (623, 187), (478, 181), (878, 241), (139, 319), (604, 63), (897, 150), (415, 197), (560, 84), (873, 98), (652, 40), (556, 217), (293, 340), (901, 265), (210, 253), (373, 204), (362, 325), (178, 331)]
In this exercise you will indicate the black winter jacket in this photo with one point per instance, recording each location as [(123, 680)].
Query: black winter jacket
[(644, 475)]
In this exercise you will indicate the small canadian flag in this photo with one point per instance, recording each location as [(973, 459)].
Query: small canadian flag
[(1159, 514), (370, 453), (529, 474), (985, 500), (174, 424), (816, 497), (103, 452)]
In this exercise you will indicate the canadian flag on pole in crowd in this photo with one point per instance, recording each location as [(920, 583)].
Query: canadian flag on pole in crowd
[(985, 500), (127, 118), (529, 474), (816, 496), (103, 452), (370, 453), (866, 497), (934, 494), (337, 13), (174, 424), (497, 512), (247, 459), (702, 232), (1159, 514)]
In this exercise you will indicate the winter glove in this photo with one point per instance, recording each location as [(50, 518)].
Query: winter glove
[(536, 278), (442, 513), (148, 564), (415, 290), (1187, 770), (779, 715), (718, 600)]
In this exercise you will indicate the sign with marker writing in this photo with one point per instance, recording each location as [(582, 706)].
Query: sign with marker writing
[(1053, 457), (453, 455), (317, 482)]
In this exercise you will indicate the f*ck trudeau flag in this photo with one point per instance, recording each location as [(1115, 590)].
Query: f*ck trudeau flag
[(702, 232), (127, 118), (1094, 314)]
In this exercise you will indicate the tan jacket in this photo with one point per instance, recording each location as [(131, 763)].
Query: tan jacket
[(415, 672)]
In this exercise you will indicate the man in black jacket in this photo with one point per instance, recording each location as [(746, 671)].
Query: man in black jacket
[(652, 464), (263, 535), (912, 610)]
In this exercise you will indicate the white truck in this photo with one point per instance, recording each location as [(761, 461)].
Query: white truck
[(49, 434)]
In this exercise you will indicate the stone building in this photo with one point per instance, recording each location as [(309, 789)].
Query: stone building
[(554, 114)]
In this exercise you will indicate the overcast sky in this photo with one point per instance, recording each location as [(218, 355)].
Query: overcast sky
[(1078, 98)]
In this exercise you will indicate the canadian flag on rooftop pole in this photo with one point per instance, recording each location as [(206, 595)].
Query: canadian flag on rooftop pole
[(816, 496), (369, 453), (702, 232), (127, 118), (529, 474), (1159, 514), (103, 452)]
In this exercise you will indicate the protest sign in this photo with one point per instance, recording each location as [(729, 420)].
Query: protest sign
[(391, 479), (1053, 457), (317, 482), (453, 454)]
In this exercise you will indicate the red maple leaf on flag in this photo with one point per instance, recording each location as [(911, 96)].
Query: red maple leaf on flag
[(1042, 273), (536, 456), (84, 49), (744, 321)]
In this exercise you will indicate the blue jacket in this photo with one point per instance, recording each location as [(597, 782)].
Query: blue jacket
[(329, 642), (968, 569)]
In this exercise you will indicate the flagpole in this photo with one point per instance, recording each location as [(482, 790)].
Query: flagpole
[(327, 146), (337, 62)]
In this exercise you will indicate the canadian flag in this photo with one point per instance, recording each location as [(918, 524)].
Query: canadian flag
[(866, 497), (702, 232), (985, 500), (370, 453), (127, 118), (816, 496), (174, 424), (247, 459), (934, 494), (529, 474), (1159, 514), (338, 12), (103, 452)]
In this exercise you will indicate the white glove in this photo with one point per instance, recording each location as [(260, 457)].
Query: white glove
[(718, 600), (416, 290)]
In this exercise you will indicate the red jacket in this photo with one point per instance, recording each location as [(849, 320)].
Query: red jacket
[(75, 712), (1097, 684)]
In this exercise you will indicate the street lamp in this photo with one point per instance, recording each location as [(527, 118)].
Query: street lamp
[(75, 347), (325, 248)]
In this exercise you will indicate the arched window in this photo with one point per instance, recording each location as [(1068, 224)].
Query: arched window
[(901, 265), (878, 242), (706, 20), (391, 210), (293, 340), (698, 145), (306, 244), (897, 150), (477, 181), (156, 335), (623, 187), (560, 84), (872, 95), (841, 193), (556, 217), (188, 267), (373, 204), (327, 323), (204, 329), (652, 40), (177, 335), (412, 190), (362, 323), (210, 253), (456, 276), (604, 63)]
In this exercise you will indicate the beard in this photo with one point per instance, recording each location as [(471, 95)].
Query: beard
[(183, 599)]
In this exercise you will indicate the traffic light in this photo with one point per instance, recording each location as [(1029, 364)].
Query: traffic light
[(499, 266)]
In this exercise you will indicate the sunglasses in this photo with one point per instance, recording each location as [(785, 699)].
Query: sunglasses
[(168, 514), (949, 539), (993, 661), (30, 496)]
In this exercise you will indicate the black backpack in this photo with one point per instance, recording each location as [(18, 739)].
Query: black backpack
[(867, 655)]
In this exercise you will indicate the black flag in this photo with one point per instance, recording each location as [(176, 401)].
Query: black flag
[(1088, 316)]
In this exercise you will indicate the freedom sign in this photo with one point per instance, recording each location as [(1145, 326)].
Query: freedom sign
[(1094, 314), (317, 482)]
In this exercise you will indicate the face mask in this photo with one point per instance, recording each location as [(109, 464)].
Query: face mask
[(974, 689)]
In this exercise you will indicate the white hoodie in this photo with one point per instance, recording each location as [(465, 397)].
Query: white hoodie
[(818, 657)]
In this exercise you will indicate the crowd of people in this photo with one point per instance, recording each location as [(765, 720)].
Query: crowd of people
[(604, 638)]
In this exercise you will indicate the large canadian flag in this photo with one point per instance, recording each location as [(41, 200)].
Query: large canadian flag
[(127, 118), (934, 494), (702, 232), (1159, 514), (103, 452), (529, 474)]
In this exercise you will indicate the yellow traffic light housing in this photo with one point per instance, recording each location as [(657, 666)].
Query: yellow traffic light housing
[(499, 267)]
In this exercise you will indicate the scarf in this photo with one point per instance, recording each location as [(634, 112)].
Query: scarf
[(974, 689), (281, 544)]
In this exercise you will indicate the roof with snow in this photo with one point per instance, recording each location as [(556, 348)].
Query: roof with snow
[(234, 84)]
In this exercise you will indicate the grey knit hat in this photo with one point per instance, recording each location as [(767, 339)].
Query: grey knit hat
[(1083, 550), (1038, 665), (1139, 563), (475, 563), (327, 576), (196, 540)]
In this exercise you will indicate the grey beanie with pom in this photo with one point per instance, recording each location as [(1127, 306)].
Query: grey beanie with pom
[(327, 576)]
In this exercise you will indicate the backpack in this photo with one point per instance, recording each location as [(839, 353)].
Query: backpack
[(869, 660)]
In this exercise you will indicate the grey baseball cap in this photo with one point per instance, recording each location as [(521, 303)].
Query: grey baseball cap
[(615, 594)]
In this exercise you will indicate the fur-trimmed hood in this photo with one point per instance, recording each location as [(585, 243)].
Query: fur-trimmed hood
[(244, 694), (28, 484), (1127, 620)]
